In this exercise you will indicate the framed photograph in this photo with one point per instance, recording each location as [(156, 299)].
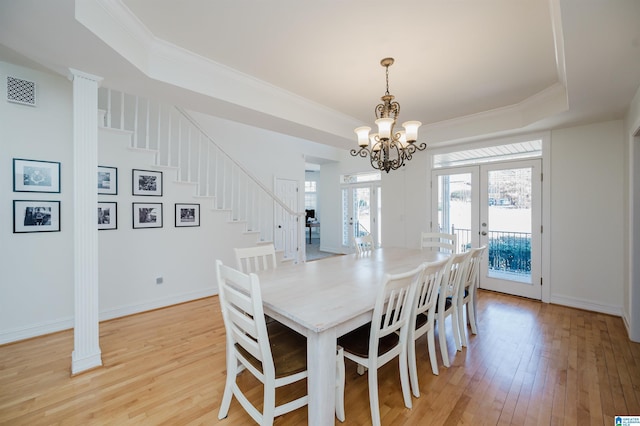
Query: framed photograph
[(147, 182), (35, 176), (36, 216), (107, 180), (107, 215), (187, 215), (147, 215)]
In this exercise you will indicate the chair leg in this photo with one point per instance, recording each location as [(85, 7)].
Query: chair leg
[(455, 321), (373, 396), (471, 314), (340, 385), (232, 372), (413, 368), (404, 379), (431, 345), (443, 342), (269, 407), (462, 325)]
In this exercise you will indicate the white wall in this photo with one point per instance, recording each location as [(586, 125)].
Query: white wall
[(132, 259), (587, 216), (36, 278), (632, 277), (405, 203), (36, 285), (586, 213), (36, 288)]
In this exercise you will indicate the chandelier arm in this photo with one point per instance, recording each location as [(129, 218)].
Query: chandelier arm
[(398, 160), (395, 107), (362, 152)]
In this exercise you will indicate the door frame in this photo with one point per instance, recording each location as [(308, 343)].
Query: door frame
[(375, 187), (496, 283), (546, 192)]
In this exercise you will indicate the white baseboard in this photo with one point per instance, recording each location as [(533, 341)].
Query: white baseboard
[(36, 330), (155, 304), (336, 250), (587, 305), (78, 364)]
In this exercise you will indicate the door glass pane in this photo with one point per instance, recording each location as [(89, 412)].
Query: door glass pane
[(379, 218), (346, 211), (509, 224), (454, 207), (362, 209)]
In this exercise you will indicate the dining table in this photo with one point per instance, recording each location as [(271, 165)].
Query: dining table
[(327, 298)]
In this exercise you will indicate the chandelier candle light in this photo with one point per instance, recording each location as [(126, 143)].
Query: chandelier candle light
[(387, 149)]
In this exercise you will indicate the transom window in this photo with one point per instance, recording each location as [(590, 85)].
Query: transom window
[(512, 151)]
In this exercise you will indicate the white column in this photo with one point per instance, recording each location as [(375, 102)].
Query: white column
[(86, 348)]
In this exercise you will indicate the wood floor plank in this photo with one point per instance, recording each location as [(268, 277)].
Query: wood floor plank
[(529, 364)]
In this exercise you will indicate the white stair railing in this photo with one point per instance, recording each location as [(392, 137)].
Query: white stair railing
[(180, 142)]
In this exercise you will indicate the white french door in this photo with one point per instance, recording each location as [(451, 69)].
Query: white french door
[(360, 213), (497, 205)]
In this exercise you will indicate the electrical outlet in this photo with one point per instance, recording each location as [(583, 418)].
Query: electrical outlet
[(159, 280)]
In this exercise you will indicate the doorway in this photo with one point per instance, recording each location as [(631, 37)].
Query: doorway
[(498, 205), (361, 211), (286, 230)]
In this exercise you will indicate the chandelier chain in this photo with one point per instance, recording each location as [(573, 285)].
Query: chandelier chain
[(387, 74)]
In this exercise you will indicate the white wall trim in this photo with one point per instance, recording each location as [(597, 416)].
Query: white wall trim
[(36, 330), (118, 27), (156, 304), (587, 305)]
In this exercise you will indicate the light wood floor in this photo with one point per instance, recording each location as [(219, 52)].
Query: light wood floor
[(530, 364)]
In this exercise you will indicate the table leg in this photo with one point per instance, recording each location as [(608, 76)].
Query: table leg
[(321, 383)]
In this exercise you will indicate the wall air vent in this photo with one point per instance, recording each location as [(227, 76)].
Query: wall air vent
[(21, 91)]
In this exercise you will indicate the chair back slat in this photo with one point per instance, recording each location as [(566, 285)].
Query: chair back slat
[(439, 241), (453, 276), (393, 306), (427, 292), (256, 259), (473, 269), (242, 312), (364, 244)]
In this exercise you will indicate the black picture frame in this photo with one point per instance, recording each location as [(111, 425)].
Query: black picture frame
[(107, 215), (146, 182), (147, 215), (187, 215), (36, 176), (36, 216), (107, 180)]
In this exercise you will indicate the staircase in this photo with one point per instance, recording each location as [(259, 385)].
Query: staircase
[(179, 142)]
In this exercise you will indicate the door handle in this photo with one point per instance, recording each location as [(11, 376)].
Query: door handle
[(484, 233)]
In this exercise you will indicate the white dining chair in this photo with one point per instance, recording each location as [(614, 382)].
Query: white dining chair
[(439, 241), (256, 259), (364, 244), (468, 293), (424, 315), (275, 354), (448, 301), (385, 337)]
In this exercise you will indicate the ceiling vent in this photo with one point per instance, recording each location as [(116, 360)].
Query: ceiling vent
[(21, 91)]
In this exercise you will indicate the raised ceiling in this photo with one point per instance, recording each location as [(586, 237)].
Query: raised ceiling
[(465, 68)]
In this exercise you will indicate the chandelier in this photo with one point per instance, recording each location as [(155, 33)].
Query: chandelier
[(387, 149)]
